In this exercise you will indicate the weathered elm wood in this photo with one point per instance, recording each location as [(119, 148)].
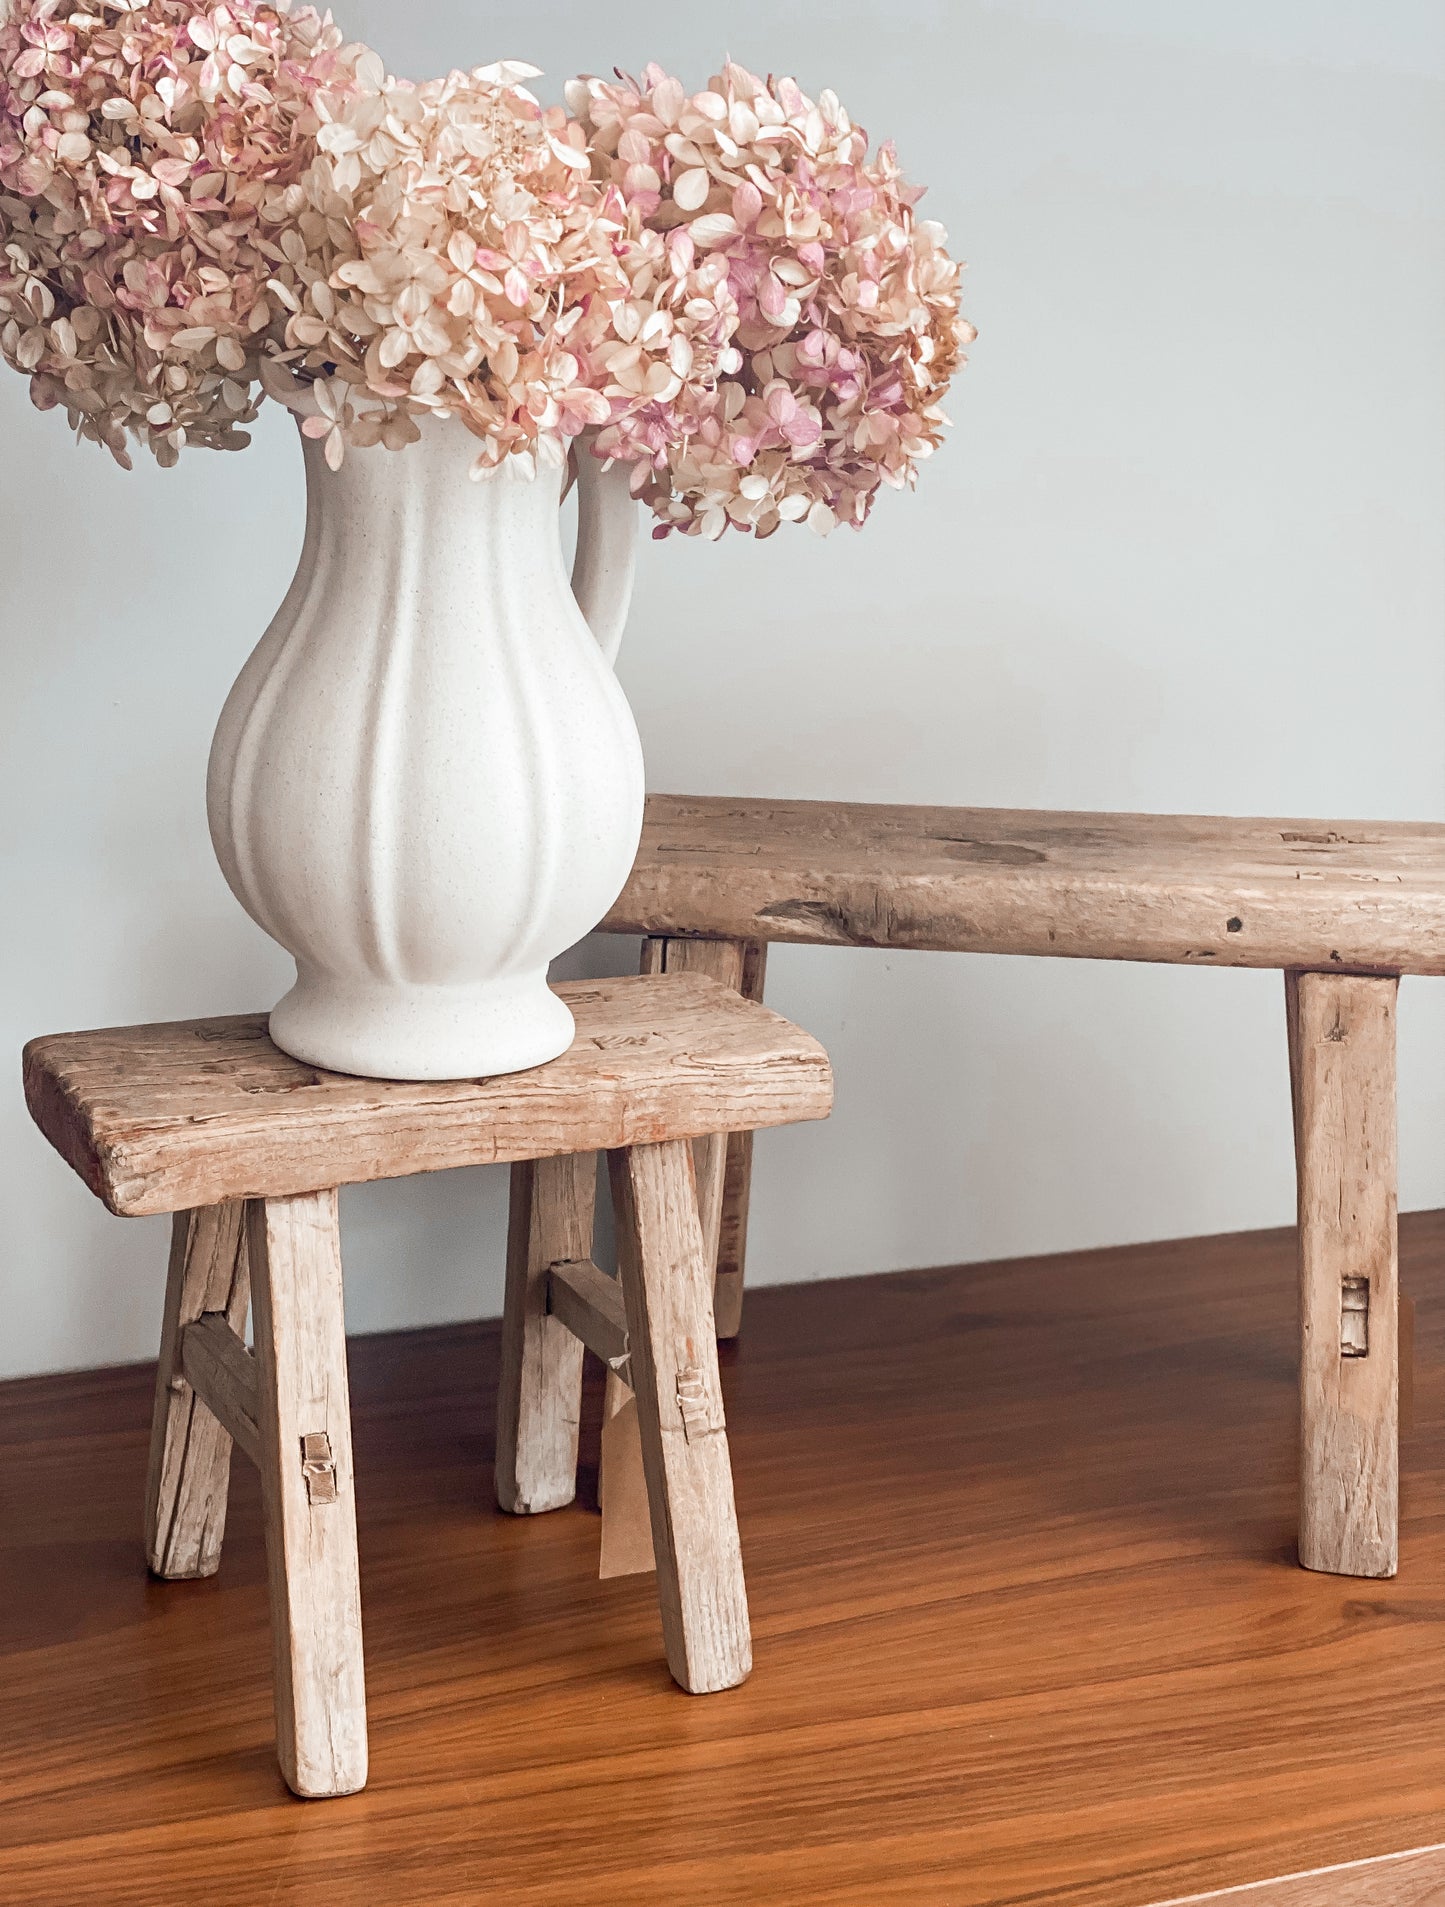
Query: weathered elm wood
[(1405, 1307), (622, 1487), (222, 1373), (1204, 890), (667, 1284), (160, 1118), (724, 1160), (1291, 1025), (720, 960), (728, 1281), (1349, 1461), (308, 1493), (539, 1395), (189, 1473), (582, 1296)]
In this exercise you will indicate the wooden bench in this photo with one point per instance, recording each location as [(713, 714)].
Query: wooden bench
[(1341, 908), (207, 1120)]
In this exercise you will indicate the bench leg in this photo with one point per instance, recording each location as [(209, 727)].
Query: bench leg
[(539, 1395), (667, 1288), (1342, 1047), (725, 1160), (189, 1474), (307, 1485)]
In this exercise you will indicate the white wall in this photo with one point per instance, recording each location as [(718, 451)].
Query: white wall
[(1185, 551)]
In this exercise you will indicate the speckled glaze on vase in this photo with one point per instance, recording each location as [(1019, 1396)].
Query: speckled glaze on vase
[(426, 782)]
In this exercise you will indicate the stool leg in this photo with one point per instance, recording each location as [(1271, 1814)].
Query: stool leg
[(189, 1474), (667, 1288), (724, 1160), (539, 1392), (737, 1184), (304, 1420), (1343, 1061)]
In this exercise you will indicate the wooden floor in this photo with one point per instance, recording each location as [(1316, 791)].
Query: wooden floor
[(1027, 1619)]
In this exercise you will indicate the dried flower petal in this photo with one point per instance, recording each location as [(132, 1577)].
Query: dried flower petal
[(204, 199), (848, 328), (140, 189)]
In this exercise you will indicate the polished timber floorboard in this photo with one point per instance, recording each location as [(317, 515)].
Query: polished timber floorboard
[(1027, 1621)]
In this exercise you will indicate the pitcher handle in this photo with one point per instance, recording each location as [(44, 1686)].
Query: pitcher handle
[(606, 557)]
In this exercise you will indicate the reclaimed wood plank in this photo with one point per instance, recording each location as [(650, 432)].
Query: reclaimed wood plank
[(1349, 1288), (667, 1285), (582, 1296), (222, 1373), (729, 1281), (308, 1492), (1204, 890), (160, 1118), (723, 961), (539, 1394), (188, 1477)]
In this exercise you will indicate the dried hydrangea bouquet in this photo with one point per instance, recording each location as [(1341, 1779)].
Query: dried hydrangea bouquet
[(427, 781)]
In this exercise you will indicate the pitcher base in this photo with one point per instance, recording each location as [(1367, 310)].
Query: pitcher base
[(423, 1033)]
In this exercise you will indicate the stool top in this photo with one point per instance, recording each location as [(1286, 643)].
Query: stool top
[(1204, 890), (194, 1112)]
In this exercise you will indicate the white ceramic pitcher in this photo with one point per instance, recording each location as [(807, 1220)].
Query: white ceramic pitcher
[(427, 782)]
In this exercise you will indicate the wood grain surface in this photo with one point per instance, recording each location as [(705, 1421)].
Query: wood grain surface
[(1413, 1879), (1349, 1279), (163, 1118), (1200, 889), (723, 961), (190, 1459), (308, 1493), (666, 1278), (550, 1219), (724, 1161), (1027, 1621)]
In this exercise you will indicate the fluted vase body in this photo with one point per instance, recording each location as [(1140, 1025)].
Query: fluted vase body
[(427, 782)]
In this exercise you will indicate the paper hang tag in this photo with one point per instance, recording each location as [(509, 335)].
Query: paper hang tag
[(622, 1487)]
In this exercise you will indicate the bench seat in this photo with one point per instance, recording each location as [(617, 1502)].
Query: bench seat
[(1202, 890), (1344, 908)]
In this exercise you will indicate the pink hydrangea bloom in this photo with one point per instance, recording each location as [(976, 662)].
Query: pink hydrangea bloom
[(203, 197), (454, 254), (150, 153), (848, 328)]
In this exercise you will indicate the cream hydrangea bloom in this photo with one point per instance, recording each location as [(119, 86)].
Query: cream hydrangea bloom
[(198, 197), (453, 255)]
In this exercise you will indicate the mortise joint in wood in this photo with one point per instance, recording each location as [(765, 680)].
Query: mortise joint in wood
[(318, 1466), (1355, 1317), (692, 1401)]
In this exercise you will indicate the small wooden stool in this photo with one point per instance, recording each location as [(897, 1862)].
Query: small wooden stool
[(207, 1120)]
